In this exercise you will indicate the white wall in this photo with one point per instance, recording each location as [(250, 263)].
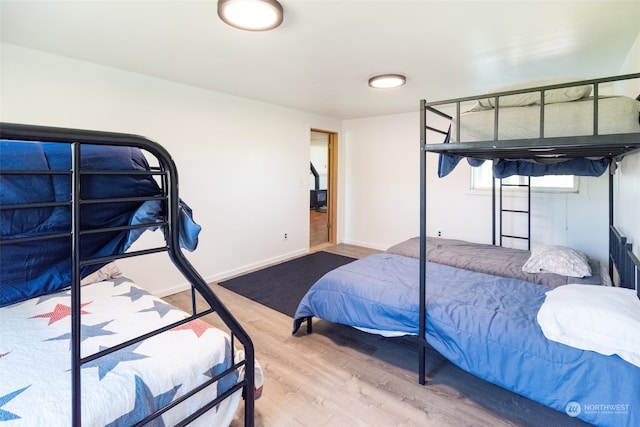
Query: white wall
[(320, 159), (244, 165), (381, 179)]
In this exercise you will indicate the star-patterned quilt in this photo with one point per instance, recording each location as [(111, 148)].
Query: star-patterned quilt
[(122, 387)]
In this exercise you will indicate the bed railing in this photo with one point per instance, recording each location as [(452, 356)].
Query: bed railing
[(610, 144), (166, 173), (625, 261), (633, 271)]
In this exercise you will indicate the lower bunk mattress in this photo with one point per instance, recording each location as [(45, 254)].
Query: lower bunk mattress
[(485, 325), (123, 387)]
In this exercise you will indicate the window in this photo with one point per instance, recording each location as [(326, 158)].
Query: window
[(481, 180)]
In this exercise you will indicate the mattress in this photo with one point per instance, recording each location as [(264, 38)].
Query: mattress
[(616, 114), (118, 389), (492, 259), (482, 323)]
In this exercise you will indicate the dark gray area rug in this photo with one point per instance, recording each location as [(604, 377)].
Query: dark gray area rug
[(282, 286)]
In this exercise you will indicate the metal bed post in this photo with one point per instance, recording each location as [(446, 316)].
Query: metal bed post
[(610, 221), (528, 213), (422, 312), (422, 321), (76, 296), (493, 210), (501, 209)]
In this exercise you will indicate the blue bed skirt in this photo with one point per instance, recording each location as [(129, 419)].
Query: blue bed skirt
[(485, 325)]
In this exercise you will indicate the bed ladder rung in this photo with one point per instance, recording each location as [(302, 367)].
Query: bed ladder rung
[(515, 237), (526, 211)]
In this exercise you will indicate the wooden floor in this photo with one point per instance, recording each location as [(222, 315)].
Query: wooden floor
[(339, 376), (318, 231)]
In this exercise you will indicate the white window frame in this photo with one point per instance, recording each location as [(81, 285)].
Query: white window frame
[(481, 180)]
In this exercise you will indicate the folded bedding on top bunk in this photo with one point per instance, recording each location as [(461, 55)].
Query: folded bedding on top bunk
[(37, 267), (484, 324), (120, 388), (616, 114), (491, 259)]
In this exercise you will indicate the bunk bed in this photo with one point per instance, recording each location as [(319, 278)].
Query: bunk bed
[(488, 322), (81, 344)]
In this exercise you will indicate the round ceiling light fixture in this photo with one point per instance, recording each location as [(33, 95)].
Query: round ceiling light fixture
[(251, 15), (387, 81)]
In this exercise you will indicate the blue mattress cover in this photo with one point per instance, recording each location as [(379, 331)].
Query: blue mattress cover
[(484, 324), (33, 268)]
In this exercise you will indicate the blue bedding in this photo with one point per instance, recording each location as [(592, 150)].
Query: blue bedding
[(484, 324), (33, 268), (503, 168)]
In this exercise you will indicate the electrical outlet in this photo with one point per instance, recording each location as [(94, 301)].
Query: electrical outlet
[(286, 236), (439, 233)]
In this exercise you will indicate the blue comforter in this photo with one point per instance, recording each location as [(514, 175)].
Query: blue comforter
[(484, 324), (504, 168), (32, 268)]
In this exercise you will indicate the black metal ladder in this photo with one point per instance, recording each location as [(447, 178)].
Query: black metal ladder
[(503, 211)]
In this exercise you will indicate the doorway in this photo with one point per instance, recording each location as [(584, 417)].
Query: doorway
[(322, 189)]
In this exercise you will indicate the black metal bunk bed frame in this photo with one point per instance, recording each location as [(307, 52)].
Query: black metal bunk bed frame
[(610, 146), (168, 176)]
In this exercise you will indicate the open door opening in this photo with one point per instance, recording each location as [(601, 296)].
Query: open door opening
[(322, 178)]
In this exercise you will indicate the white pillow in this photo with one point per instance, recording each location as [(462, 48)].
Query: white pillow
[(553, 96), (107, 272), (559, 260), (596, 318)]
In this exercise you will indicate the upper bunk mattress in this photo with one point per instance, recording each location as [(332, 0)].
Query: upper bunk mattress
[(616, 114)]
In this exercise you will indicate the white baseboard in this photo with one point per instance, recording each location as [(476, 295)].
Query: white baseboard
[(366, 245), (232, 273)]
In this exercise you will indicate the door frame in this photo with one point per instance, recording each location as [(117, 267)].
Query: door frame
[(332, 184)]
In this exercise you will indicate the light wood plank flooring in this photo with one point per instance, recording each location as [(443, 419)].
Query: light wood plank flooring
[(318, 231), (339, 376)]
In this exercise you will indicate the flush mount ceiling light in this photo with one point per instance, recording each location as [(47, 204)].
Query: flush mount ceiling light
[(386, 81), (251, 15)]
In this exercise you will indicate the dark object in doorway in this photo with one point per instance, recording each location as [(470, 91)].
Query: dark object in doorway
[(318, 199)]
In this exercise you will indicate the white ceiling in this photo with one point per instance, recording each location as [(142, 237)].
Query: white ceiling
[(320, 59)]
